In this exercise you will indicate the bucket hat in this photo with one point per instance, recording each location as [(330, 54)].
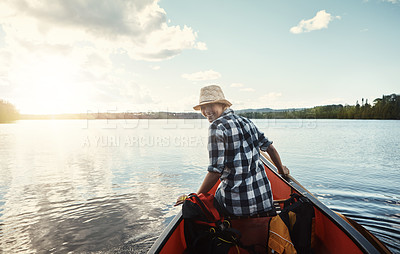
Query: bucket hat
[(211, 94)]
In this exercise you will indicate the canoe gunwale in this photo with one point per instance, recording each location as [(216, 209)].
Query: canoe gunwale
[(166, 234), (349, 230), (364, 245)]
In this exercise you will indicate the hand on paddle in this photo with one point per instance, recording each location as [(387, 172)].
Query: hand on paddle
[(180, 200)]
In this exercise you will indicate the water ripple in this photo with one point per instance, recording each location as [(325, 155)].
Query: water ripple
[(58, 196)]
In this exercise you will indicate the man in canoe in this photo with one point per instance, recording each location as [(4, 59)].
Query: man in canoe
[(234, 145)]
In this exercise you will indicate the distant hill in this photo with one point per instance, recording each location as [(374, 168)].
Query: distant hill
[(267, 110), (387, 107)]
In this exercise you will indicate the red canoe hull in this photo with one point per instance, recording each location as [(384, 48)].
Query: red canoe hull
[(333, 232)]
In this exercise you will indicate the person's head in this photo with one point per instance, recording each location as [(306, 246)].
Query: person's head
[(212, 111), (212, 102)]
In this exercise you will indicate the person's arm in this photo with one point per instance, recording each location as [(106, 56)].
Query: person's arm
[(209, 181), (273, 153), (216, 151)]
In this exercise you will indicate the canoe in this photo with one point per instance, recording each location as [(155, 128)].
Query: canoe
[(334, 233)]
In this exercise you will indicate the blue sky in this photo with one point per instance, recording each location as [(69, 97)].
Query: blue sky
[(96, 55)]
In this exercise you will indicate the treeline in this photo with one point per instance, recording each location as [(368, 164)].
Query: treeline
[(387, 107), (8, 113), (110, 116)]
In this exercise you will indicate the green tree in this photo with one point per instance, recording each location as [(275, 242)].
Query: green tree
[(8, 113)]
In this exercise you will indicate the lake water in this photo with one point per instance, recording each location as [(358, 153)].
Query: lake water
[(103, 186)]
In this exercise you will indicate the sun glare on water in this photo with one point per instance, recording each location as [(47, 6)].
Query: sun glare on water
[(50, 87)]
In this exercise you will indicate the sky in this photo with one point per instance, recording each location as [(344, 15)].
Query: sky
[(81, 56)]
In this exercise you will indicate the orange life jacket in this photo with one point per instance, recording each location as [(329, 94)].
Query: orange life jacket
[(279, 237), (292, 231)]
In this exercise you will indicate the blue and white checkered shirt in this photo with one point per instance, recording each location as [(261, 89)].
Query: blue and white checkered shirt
[(233, 145)]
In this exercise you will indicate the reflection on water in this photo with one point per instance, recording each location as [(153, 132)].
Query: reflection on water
[(109, 186), (66, 186)]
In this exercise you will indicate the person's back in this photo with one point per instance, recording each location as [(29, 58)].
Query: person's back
[(234, 151), (234, 144)]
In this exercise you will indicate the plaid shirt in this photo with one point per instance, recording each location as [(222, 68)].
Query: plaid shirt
[(233, 145)]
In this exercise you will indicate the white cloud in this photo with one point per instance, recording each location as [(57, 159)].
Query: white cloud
[(268, 100), (247, 89), (271, 96), (5, 60), (56, 51), (242, 87), (237, 85), (392, 1), (138, 27), (320, 21), (201, 46), (202, 75)]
